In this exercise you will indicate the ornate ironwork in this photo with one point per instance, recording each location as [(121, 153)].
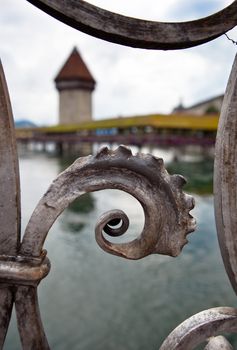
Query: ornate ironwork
[(24, 264), (166, 207)]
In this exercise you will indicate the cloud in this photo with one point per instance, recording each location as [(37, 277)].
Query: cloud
[(169, 10), (190, 10), (149, 9), (129, 81)]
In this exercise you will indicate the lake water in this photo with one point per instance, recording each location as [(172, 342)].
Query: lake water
[(92, 300)]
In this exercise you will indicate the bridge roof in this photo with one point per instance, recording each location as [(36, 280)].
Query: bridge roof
[(172, 121)]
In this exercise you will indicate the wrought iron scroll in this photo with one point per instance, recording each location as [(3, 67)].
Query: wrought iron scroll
[(167, 221), (145, 178), (24, 264)]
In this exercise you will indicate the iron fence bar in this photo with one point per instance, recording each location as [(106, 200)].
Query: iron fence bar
[(6, 305), (9, 174), (9, 199), (196, 329), (15, 270), (225, 175), (136, 32), (29, 320), (219, 342)]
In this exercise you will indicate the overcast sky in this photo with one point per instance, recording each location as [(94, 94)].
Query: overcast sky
[(33, 47)]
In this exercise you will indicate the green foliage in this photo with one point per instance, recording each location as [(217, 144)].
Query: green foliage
[(84, 204), (199, 175), (212, 110), (74, 227)]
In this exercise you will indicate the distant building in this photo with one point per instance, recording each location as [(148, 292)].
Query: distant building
[(75, 85), (210, 106)]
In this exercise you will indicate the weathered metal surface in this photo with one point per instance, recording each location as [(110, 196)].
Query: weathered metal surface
[(167, 222), (21, 270), (9, 198), (200, 327), (6, 304), (16, 271), (218, 343), (225, 175), (28, 319), (9, 175), (136, 32), (166, 207)]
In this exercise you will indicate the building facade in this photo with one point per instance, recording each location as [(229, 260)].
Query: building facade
[(210, 106)]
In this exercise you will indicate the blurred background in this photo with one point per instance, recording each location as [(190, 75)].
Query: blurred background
[(72, 94)]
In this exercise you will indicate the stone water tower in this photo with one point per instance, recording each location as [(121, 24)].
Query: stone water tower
[(75, 85)]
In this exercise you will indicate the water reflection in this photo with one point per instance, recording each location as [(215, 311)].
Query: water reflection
[(83, 205), (76, 218)]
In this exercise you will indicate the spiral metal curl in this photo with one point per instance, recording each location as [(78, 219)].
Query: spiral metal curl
[(109, 220), (166, 207)]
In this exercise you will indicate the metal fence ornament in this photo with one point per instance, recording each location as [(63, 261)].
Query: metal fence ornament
[(166, 207), (24, 264)]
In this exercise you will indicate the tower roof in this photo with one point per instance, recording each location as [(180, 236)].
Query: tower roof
[(75, 69)]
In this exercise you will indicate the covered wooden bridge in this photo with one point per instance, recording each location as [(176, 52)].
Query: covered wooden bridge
[(157, 130)]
